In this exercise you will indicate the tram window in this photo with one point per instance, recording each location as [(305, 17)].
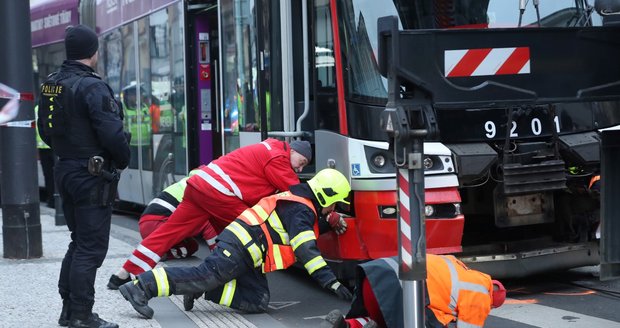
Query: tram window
[(110, 56), (325, 96), (144, 115), (177, 92)]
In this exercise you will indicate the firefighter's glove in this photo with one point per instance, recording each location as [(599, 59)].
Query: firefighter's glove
[(336, 222), (340, 290)]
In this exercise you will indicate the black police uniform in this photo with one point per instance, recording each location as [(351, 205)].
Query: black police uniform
[(92, 127)]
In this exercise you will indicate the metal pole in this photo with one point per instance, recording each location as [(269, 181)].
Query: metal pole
[(411, 225), (402, 121), (21, 222)]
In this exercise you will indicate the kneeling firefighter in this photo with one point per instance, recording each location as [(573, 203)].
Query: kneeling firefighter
[(267, 237)]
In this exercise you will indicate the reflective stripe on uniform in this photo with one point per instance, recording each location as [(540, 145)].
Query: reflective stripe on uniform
[(148, 253), (454, 282), (457, 286), (266, 145), (212, 241), (215, 184), (161, 279), (260, 211), (163, 203), (241, 233), (275, 223), (138, 262), (362, 321), (226, 178), (228, 292), (301, 238), (256, 254), (277, 258), (245, 239), (315, 264), (250, 217)]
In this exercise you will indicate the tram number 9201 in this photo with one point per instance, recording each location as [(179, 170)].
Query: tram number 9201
[(521, 129)]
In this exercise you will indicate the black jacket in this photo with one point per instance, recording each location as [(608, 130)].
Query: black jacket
[(93, 118)]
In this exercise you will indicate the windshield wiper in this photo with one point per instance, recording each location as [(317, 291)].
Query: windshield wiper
[(522, 4)]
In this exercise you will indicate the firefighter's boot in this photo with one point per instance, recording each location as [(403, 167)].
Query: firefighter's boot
[(335, 319), (139, 299), (188, 301)]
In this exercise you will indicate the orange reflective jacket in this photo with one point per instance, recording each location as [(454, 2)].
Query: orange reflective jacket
[(594, 179), (278, 256), (458, 293)]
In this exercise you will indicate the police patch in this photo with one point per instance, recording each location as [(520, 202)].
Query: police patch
[(109, 104)]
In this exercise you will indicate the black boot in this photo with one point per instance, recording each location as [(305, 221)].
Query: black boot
[(65, 314), (133, 292), (188, 301), (91, 321), (335, 319), (116, 282)]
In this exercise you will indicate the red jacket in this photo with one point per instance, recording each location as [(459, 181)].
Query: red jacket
[(249, 173)]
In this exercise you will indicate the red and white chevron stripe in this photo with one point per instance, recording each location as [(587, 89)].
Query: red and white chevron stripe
[(487, 61), (405, 219)]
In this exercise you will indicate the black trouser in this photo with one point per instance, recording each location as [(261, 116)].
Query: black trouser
[(46, 156), (229, 261), (89, 223)]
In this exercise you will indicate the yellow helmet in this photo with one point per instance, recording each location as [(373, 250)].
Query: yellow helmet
[(330, 186)]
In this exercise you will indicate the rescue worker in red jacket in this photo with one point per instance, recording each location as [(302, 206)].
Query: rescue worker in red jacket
[(267, 237), (456, 296), (218, 193), (159, 210)]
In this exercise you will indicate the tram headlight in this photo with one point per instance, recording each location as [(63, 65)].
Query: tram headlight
[(387, 212), (428, 163), (429, 210), (379, 161)]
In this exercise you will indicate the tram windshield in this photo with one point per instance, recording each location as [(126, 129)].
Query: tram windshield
[(358, 20)]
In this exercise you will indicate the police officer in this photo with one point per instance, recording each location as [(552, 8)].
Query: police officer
[(81, 121)]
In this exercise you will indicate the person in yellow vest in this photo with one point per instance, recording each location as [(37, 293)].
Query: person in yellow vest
[(138, 124), (46, 157), (266, 237), (456, 296)]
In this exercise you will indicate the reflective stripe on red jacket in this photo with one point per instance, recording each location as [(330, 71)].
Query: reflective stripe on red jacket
[(249, 173)]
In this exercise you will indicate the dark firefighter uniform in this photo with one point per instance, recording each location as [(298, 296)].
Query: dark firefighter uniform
[(82, 120), (267, 237)]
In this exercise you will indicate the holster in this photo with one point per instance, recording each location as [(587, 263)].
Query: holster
[(106, 193)]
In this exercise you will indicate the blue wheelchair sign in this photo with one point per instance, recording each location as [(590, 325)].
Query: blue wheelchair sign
[(355, 170)]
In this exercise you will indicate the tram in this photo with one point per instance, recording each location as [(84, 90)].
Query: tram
[(202, 78)]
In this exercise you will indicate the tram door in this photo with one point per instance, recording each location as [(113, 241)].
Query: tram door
[(203, 62), (251, 71)]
